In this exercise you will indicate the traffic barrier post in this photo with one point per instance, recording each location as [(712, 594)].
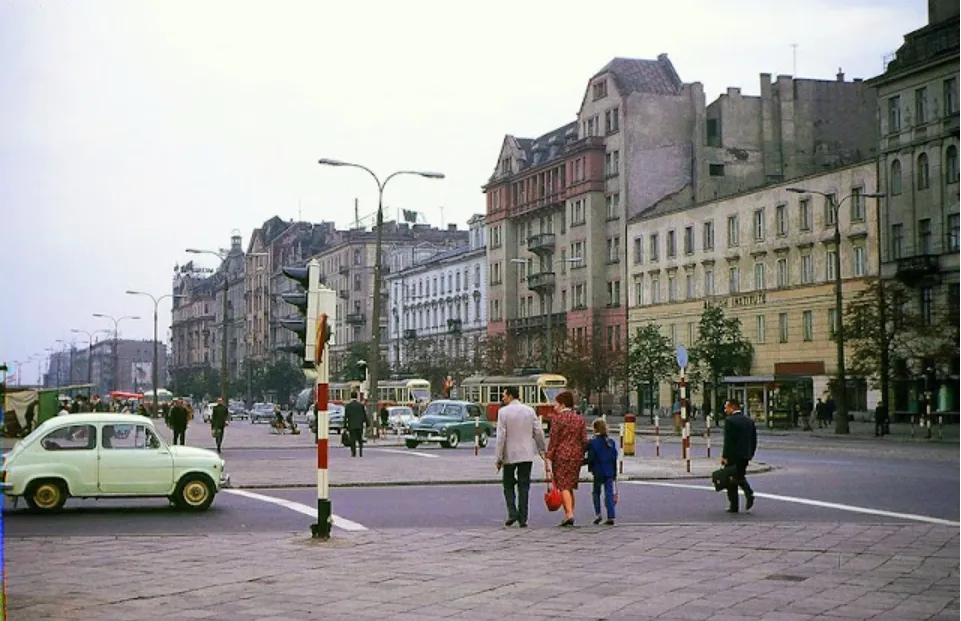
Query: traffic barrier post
[(629, 424), (657, 436)]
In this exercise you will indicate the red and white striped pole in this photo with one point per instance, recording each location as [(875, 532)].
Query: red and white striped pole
[(620, 455), (686, 425), (326, 303), (476, 435), (709, 421), (657, 436)]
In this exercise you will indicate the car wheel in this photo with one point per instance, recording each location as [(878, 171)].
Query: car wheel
[(46, 496), (482, 441), (452, 440), (411, 444), (194, 493)]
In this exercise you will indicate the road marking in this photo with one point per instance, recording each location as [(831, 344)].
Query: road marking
[(339, 522), (407, 452), (814, 503)]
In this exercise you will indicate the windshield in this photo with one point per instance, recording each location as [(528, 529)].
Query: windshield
[(420, 394), (442, 409), (552, 393)]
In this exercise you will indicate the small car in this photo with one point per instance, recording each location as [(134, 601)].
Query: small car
[(335, 418), (108, 455), (262, 413), (448, 422), (399, 417)]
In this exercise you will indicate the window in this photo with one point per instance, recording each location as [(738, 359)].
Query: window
[(897, 241), (894, 183), (782, 273), (894, 114), (951, 164), (860, 261), (954, 231), (496, 277), (759, 276), (708, 236), (613, 204), (654, 244), (592, 126), (72, 438), (671, 244), (830, 266), (807, 325), (689, 240), (639, 290), (804, 212), (924, 236), (577, 251), (782, 328), (613, 249), (477, 276), (759, 328), (127, 437), (358, 282), (732, 233), (691, 332), (578, 212), (612, 120), (921, 105), (733, 279), (758, 224), (689, 287), (830, 210), (951, 96), (579, 298), (612, 163), (832, 322), (600, 89), (672, 333), (807, 269), (356, 256), (715, 170), (923, 173), (614, 293), (655, 290), (927, 305), (857, 205), (671, 288), (708, 282), (780, 220), (638, 250)]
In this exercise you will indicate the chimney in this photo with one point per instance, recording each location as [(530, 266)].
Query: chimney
[(840, 75)]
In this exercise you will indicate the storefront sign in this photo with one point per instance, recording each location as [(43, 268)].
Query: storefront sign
[(739, 301)]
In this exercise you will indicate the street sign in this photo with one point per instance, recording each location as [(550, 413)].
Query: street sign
[(682, 356)]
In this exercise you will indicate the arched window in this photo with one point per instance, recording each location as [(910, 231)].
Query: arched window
[(951, 164), (895, 180), (923, 172)]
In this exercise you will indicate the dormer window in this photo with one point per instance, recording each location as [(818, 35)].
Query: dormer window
[(506, 165), (600, 90)]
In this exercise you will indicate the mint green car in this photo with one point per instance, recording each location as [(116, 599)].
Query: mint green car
[(449, 423)]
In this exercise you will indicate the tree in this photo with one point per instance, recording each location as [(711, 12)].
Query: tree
[(649, 361), (284, 379), (350, 371), (720, 350), (589, 365), (496, 355)]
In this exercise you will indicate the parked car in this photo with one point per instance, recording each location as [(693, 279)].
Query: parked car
[(448, 422), (207, 413), (108, 455), (335, 418), (262, 413), (399, 417), (236, 410)]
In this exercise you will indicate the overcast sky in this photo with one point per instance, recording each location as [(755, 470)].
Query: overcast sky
[(131, 130)]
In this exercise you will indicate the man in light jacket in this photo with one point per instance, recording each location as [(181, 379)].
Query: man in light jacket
[(520, 440)]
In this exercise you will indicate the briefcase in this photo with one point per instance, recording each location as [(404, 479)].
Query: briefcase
[(723, 477)]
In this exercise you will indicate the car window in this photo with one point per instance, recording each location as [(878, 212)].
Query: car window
[(71, 438), (127, 437), (473, 411)]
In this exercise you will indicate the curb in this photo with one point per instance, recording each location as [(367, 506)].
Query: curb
[(490, 481)]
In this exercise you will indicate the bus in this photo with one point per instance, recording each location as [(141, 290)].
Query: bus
[(537, 391), (410, 392)]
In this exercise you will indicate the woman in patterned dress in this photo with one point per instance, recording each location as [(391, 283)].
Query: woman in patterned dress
[(565, 453)]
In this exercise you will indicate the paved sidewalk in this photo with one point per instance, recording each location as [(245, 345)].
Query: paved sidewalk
[(734, 570), (860, 431)]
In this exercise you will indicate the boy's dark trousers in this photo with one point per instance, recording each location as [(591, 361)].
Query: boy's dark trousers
[(608, 486)]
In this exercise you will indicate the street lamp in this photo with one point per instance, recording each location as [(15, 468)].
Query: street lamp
[(374, 366), (156, 370), (842, 426), (116, 343), (90, 339), (550, 311)]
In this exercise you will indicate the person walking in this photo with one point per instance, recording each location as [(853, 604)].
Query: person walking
[(881, 419), (355, 418), (519, 440), (740, 444), (177, 419), (219, 416), (602, 463), (565, 452)]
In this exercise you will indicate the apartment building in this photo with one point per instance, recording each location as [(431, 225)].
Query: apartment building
[(767, 258), (437, 304), (192, 317)]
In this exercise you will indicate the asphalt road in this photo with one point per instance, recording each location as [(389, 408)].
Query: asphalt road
[(917, 480)]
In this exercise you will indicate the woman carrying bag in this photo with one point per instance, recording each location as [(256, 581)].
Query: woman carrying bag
[(565, 451)]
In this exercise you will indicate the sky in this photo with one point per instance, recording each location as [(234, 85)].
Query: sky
[(131, 130)]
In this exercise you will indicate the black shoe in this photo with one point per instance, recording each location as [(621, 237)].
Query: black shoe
[(510, 522), (598, 520), (568, 522), (750, 502), (522, 525), (609, 522)]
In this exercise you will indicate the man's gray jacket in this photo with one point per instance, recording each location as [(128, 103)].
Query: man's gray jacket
[(519, 434)]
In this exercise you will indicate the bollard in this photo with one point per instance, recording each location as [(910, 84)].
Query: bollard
[(657, 436), (620, 456), (629, 422), (913, 422), (321, 530), (940, 428), (476, 435), (709, 439)]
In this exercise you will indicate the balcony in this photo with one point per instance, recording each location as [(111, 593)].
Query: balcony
[(344, 294), (410, 334), (542, 243), (538, 322), (355, 318), (913, 270), (543, 281), (454, 326)]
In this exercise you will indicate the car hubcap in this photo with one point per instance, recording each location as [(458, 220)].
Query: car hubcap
[(195, 493), (47, 496)]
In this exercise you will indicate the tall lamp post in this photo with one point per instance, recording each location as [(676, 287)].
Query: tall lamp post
[(373, 366), (90, 339), (549, 296), (116, 343), (842, 426), (156, 369)]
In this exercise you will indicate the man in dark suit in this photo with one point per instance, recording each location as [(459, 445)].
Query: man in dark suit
[(178, 422), (355, 419), (740, 444), (218, 422)]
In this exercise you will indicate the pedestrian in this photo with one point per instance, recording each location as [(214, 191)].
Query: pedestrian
[(829, 408), (519, 440), (31, 415), (384, 420), (602, 463), (740, 444), (355, 418), (881, 419), (64, 408), (820, 412), (565, 453), (219, 416), (177, 419)]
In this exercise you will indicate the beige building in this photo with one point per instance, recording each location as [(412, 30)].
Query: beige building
[(193, 318), (765, 257)]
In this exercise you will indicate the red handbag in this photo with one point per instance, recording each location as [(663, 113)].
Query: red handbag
[(552, 498)]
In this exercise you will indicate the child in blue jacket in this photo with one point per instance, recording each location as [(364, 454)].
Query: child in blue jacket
[(602, 463)]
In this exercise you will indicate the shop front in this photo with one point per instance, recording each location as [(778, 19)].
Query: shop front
[(772, 400)]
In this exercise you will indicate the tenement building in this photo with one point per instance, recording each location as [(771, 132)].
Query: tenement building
[(918, 170), (765, 257), (437, 306)]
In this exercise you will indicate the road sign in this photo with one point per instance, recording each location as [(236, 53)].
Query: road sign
[(681, 356)]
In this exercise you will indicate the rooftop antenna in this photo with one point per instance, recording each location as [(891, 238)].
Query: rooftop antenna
[(794, 59), (356, 213)]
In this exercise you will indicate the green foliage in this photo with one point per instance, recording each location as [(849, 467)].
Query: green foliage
[(496, 355), (199, 383), (650, 360), (589, 365), (720, 349), (351, 372), (284, 379)]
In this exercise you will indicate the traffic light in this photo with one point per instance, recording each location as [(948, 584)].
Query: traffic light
[(307, 303)]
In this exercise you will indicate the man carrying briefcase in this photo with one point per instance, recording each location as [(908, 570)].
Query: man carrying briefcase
[(740, 444)]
